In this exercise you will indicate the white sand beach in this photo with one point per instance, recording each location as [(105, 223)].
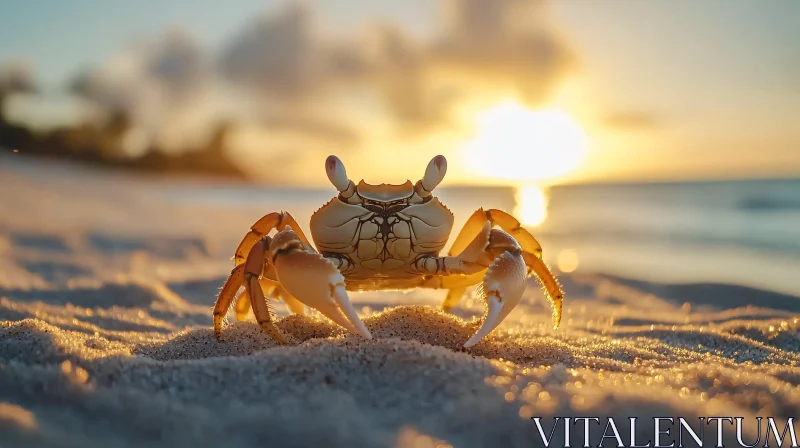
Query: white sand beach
[(106, 289)]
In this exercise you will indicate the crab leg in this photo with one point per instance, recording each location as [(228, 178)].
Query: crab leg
[(279, 293), (472, 233), (294, 305), (265, 225), (247, 273), (454, 296), (242, 305), (497, 218), (273, 290), (261, 310), (225, 297), (254, 265), (502, 289), (268, 284), (314, 281), (550, 284)]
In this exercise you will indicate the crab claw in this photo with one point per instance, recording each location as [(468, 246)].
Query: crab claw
[(336, 173), (502, 289), (434, 174), (315, 281)]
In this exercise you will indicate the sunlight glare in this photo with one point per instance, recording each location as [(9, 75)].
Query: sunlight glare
[(531, 205), (516, 143)]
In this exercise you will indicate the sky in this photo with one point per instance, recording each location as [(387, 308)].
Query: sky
[(660, 89)]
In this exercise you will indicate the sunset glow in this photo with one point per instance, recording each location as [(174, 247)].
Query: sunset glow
[(516, 143)]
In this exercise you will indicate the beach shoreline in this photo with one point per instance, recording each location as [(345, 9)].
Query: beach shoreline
[(106, 290)]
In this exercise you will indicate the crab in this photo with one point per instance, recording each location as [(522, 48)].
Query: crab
[(379, 237)]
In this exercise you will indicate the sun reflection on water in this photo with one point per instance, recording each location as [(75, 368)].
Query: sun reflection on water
[(531, 207), (526, 147)]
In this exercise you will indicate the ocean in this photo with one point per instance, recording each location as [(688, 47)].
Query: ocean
[(743, 232)]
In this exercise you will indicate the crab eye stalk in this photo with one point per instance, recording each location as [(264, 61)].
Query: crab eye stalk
[(337, 174), (434, 174)]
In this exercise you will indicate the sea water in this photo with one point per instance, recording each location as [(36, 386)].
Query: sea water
[(744, 232), (741, 232)]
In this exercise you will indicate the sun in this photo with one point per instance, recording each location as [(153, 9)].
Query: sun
[(520, 144), (526, 147)]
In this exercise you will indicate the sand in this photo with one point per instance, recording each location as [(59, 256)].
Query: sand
[(106, 288)]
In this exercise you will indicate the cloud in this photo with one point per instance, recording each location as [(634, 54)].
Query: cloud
[(482, 46), (178, 63), (166, 69), (320, 128), (15, 76), (273, 55), (482, 41), (505, 42), (279, 55), (400, 75), (158, 85), (280, 74)]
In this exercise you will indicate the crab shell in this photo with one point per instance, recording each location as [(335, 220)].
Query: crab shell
[(379, 232)]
